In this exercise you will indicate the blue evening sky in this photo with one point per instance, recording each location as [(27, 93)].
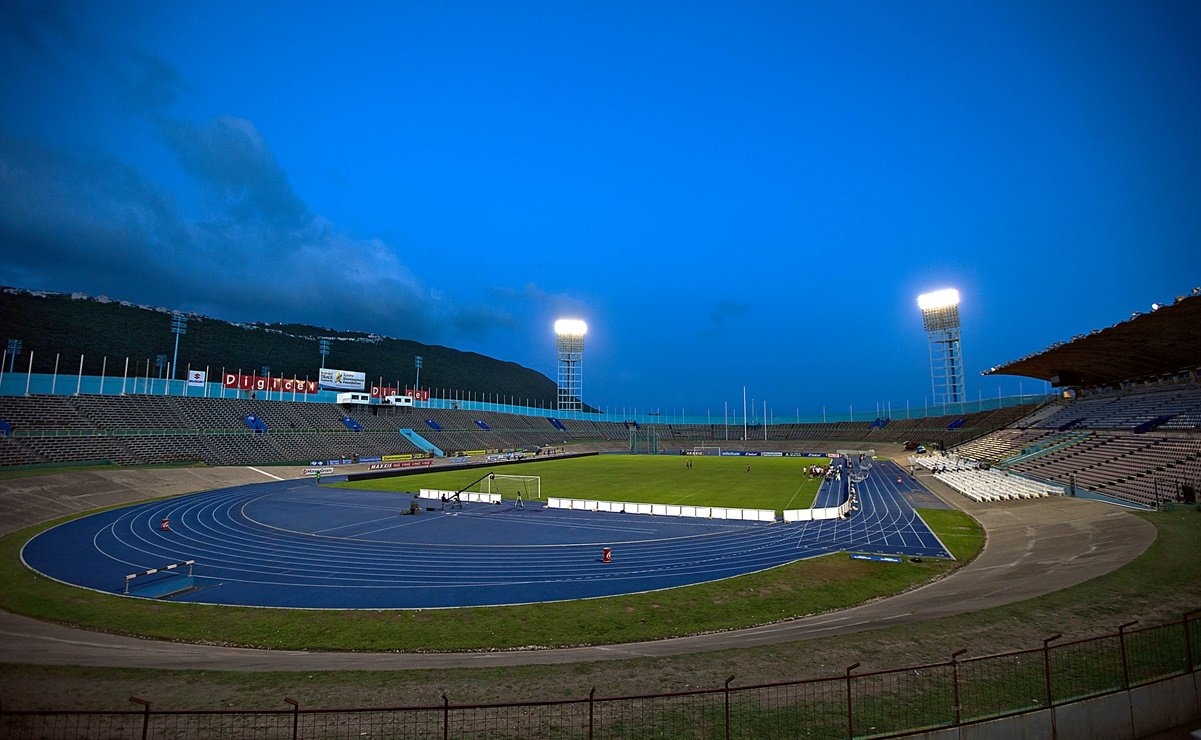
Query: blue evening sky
[(730, 194)]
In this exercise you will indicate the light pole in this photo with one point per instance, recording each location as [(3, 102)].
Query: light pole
[(418, 361), (179, 325), (14, 349), (323, 348)]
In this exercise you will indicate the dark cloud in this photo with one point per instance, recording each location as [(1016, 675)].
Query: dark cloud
[(231, 158), (91, 223), (35, 27), (723, 313), (154, 84)]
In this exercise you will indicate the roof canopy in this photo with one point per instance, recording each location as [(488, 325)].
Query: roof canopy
[(1164, 341)]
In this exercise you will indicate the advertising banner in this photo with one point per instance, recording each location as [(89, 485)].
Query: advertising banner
[(196, 378), (418, 394), (342, 380), (259, 383)]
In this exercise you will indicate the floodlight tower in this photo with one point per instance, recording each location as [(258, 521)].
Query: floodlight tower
[(179, 325), (569, 348), (940, 316)]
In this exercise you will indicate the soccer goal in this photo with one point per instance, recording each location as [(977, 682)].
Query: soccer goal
[(508, 486), (702, 450)]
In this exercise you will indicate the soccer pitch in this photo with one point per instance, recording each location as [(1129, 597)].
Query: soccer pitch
[(737, 482)]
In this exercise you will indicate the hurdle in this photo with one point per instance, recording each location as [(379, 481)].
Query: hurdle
[(166, 570)]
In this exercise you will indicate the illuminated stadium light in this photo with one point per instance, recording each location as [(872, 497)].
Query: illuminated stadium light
[(569, 348), (940, 318)]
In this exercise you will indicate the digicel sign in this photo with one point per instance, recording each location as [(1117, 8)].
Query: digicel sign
[(259, 383)]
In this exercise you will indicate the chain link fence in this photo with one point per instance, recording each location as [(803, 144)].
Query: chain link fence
[(878, 705)]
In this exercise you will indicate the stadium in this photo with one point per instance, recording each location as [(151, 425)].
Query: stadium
[(1027, 566)]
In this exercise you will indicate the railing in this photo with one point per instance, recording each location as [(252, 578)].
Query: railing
[(30, 383), (880, 704)]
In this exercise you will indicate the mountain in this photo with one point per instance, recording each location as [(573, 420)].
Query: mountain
[(99, 328)]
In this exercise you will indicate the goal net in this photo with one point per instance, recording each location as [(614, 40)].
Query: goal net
[(702, 450), (509, 486)]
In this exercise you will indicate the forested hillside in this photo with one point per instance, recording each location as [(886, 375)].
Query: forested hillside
[(97, 328)]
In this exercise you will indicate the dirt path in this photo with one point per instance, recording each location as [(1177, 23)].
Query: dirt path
[(1033, 548)]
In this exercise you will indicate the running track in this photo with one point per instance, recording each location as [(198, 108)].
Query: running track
[(295, 544)]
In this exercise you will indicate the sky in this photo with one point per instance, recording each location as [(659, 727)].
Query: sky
[(731, 195)]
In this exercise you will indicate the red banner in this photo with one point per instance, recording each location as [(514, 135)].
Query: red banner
[(382, 391), (418, 395), (260, 383)]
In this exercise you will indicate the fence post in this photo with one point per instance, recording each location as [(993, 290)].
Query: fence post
[(850, 716), (591, 707), (1188, 641), (955, 681), (1122, 647), (1126, 670), (445, 717), (295, 715), (1047, 678), (145, 715), (727, 695)]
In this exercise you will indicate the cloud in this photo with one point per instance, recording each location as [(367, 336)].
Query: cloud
[(232, 238), (722, 313), (231, 158), (37, 27), (155, 85), (256, 252)]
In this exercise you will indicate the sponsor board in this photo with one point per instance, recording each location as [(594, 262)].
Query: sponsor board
[(318, 471), (342, 380), (401, 464), (241, 382)]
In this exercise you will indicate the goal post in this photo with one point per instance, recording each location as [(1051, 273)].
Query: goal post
[(508, 486)]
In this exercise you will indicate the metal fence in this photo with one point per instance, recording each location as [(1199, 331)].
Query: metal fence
[(880, 704)]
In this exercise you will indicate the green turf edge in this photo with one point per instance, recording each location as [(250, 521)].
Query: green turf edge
[(799, 589)]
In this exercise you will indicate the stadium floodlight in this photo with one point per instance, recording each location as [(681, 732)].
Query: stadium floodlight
[(569, 349), (14, 349), (940, 318), (179, 325)]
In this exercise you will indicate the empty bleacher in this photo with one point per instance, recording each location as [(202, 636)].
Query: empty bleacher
[(1140, 446)]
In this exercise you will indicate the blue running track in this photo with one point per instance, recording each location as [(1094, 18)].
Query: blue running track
[(299, 545)]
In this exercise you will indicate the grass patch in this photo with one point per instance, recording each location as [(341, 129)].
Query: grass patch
[(798, 589), (749, 483), (962, 535)]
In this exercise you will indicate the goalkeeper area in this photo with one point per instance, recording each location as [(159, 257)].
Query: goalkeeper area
[(776, 483), (529, 487)]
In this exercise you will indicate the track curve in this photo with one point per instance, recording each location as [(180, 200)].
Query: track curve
[(1033, 548)]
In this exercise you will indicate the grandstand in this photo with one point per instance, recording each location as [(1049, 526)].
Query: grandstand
[(1127, 427)]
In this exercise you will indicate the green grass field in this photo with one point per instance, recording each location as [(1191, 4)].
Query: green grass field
[(770, 483)]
